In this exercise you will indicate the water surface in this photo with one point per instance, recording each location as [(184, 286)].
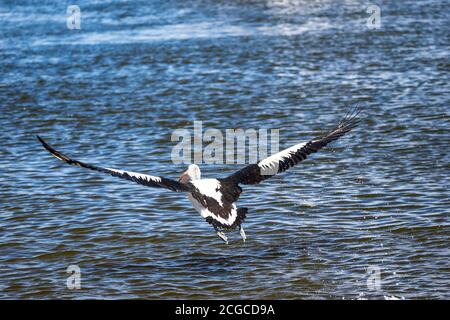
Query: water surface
[(113, 92)]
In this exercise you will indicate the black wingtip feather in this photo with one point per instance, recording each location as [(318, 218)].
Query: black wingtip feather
[(40, 139), (44, 144), (47, 146), (349, 122)]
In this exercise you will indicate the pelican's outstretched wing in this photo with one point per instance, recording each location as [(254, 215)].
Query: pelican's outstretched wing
[(146, 180), (283, 160)]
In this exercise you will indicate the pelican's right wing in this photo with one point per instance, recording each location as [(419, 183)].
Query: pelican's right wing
[(143, 179)]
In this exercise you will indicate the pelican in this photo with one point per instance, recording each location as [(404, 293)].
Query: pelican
[(215, 199)]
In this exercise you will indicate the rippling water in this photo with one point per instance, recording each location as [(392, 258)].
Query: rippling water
[(113, 92)]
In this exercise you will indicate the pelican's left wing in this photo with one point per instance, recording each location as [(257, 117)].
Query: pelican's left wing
[(283, 160), (143, 179)]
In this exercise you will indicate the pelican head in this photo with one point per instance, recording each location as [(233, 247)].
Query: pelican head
[(192, 173)]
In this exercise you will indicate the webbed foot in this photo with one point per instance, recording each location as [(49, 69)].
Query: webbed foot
[(242, 233), (222, 236)]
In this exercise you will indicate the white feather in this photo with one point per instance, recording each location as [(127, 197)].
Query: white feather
[(204, 212), (144, 177), (210, 188), (274, 160)]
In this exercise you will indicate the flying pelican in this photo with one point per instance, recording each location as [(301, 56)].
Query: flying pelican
[(215, 199)]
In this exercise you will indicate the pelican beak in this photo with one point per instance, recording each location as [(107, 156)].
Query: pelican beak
[(184, 178)]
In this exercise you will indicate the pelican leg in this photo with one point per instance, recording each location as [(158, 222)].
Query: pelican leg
[(221, 235), (242, 233)]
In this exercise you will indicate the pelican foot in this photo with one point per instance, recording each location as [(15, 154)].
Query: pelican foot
[(222, 236), (242, 233)]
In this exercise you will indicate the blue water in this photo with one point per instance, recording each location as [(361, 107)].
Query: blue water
[(113, 92)]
